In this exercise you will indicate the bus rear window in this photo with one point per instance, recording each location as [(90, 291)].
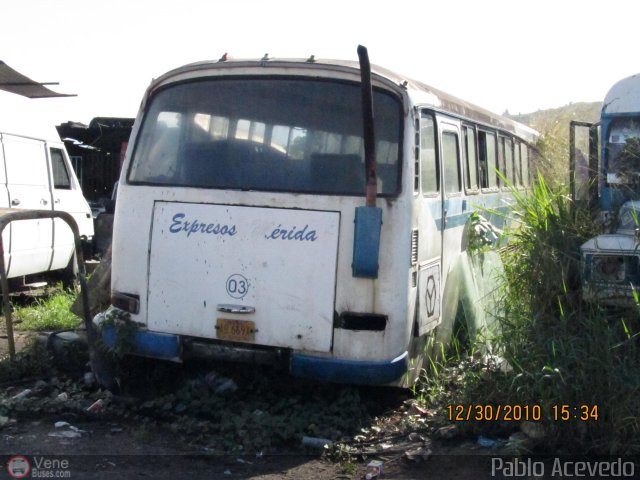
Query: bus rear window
[(292, 135)]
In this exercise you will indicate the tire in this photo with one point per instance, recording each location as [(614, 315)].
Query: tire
[(70, 274)]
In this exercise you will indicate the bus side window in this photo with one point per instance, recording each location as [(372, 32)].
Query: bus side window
[(517, 163), (525, 165), (470, 159), (508, 161), (429, 168), (487, 156), (451, 162)]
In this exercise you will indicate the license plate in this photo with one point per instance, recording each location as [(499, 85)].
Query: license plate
[(235, 330)]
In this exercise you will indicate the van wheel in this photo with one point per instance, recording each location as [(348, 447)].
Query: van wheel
[(70, 275)]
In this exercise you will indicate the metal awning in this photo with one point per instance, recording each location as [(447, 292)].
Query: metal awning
[(14, 82)]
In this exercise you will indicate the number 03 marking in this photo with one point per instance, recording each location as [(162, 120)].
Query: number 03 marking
[(237, 286)]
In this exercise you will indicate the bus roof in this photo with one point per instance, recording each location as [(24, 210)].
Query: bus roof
[(623, 97), (420, 93)]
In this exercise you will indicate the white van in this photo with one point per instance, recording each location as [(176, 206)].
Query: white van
[(36, 174)]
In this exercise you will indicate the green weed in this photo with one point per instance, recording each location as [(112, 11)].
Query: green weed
[(51, 313)]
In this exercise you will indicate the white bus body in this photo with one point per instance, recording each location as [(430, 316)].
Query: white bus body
[(234, 223)]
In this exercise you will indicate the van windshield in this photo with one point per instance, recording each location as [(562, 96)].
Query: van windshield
[(294, 135)]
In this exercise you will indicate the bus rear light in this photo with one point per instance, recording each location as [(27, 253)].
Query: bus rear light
[(126, 301), (414, 247), (362, 321)]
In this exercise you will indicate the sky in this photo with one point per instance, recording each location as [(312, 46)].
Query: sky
[(515, 55)]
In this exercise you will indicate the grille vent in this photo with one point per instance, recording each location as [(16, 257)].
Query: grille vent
[(414, 247)]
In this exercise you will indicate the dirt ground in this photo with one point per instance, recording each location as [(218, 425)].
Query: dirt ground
[(113, 445), (102, 454)]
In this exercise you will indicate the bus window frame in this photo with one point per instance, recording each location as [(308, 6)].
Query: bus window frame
[(517, 163), (526, 180), (436, 140), (503, 138), (465, 160), (509, 175), (451, 129), (491, 166)]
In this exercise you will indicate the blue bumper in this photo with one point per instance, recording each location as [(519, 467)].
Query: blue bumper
[(148, 344), (354, 372)]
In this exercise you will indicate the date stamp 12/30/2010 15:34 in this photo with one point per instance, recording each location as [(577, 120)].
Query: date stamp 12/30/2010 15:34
[(518, 413)]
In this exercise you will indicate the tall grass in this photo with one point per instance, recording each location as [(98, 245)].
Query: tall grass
[(561, 351)]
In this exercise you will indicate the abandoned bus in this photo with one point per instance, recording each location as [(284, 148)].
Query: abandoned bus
[(610, 180), (238, 230)]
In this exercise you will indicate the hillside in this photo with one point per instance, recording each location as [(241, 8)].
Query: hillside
[(552, 120), (553, 125)]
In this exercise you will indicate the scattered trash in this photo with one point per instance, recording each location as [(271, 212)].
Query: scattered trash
[(5, 421), (116, 429), (315, 442), (71, 432), (446, 433), (487, 442), (22, 395), (374, 469), (63, 397), (97, 406), (416, 437), (533, 430), (518, 437), (413, 408), (89, 379), (65, 434), (220, 385), (420, 454), (227, 472), (40, 385), (519, 443), (62, 424)]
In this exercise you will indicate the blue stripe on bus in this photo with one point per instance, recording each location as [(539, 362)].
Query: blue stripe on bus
[(353, 372), (460, 209)]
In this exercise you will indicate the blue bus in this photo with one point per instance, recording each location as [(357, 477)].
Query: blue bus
[(605, 174)]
